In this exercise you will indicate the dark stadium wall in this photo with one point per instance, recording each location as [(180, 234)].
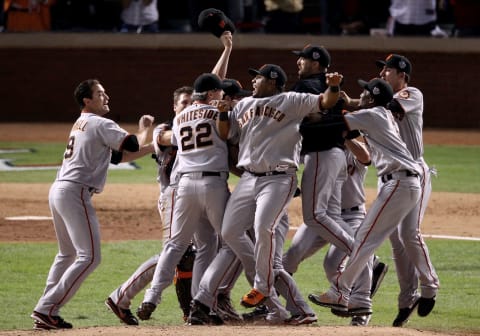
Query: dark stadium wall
[(38, 77)]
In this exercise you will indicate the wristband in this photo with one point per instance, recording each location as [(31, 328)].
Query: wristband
[(223, 116), (334, 88)]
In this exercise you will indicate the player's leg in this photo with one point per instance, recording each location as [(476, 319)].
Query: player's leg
[(319, 181), (73, 203), (269, 210)]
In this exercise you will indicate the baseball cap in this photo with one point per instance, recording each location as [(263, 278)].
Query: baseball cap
[(215, 21), (206, 82), (380, 90), (395, 61), (233, 88), (271, 71), (316, 53)]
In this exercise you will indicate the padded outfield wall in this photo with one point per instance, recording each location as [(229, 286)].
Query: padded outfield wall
[(39, 72)]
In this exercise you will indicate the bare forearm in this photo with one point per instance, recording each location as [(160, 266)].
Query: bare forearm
[(144, 150)]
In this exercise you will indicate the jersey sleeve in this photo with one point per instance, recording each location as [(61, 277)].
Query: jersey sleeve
[(305, 103), (112, 134), (411, 99), (360, 120)]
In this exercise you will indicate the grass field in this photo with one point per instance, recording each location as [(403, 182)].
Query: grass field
[(25, 266), (458, 167), (22, 283)]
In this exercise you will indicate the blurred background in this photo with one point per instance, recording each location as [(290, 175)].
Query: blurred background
[(142, 50)]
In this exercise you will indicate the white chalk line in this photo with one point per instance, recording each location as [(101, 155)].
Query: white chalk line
[(433, 236)]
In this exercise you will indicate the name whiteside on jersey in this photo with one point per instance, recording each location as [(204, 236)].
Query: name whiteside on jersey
[(261, 111), (197, 114)]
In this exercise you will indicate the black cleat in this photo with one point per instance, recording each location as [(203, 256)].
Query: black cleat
[(258, 314), (425, 306), (379, 272), (46, 322), (125, 315), (145, 310), (200, 314), (404, 314)]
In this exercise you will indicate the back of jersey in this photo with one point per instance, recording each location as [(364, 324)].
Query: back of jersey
[(200, 148), (88, 151)]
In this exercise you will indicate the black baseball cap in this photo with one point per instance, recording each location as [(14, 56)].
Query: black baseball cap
[(271, 71), (380, 90), (398, 62), (215, 21), (316, 53), (233, 88), (206, 82)]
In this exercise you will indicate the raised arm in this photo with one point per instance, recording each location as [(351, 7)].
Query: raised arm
[(221, 67), (330, 97)]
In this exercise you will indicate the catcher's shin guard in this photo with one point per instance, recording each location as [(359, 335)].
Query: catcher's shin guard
[(183, 280)]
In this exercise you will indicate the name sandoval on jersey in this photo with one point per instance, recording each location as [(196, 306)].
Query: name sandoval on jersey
[(261, 111), (197, 114)]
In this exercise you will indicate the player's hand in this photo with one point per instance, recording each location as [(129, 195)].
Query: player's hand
[(227, 39), (221, 105), (145, 122), (334, 78)]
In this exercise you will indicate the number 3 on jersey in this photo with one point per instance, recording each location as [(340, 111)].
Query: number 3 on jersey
[(196, 138)]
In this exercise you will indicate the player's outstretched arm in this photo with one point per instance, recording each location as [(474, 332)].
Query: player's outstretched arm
[(221, 67), (330, 97)]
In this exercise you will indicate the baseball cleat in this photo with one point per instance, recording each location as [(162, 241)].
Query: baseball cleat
[(360, 321), (404, 314), (46, 322), (425, 306), (125, 315), (301, 319), (253, 299), (200, 314), (145, 310), (329, 300), (378, 275), (225, 309), (259, 313)]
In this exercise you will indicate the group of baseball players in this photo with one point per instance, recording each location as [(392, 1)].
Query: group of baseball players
[(212, 235)]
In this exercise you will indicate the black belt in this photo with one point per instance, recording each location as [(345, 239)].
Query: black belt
[(210, 174), (270, 173), (355, 208), (389, 177)]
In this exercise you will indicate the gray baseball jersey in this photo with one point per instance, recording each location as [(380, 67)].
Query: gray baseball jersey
[(83, 171), (87, 156), (202, 192), (269, 144), (259, 120), (200, 148), (396, 198), (411, 255)]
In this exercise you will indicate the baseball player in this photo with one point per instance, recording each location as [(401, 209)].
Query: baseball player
[(412, 259), (324, 156), (270, 169), (82, 174), (202, 190), (119, 300), (396, 198)]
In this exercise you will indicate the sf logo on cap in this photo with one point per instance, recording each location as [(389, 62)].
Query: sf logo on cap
[(315, 55), (402, 64), (376, 91), (273, 74)]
